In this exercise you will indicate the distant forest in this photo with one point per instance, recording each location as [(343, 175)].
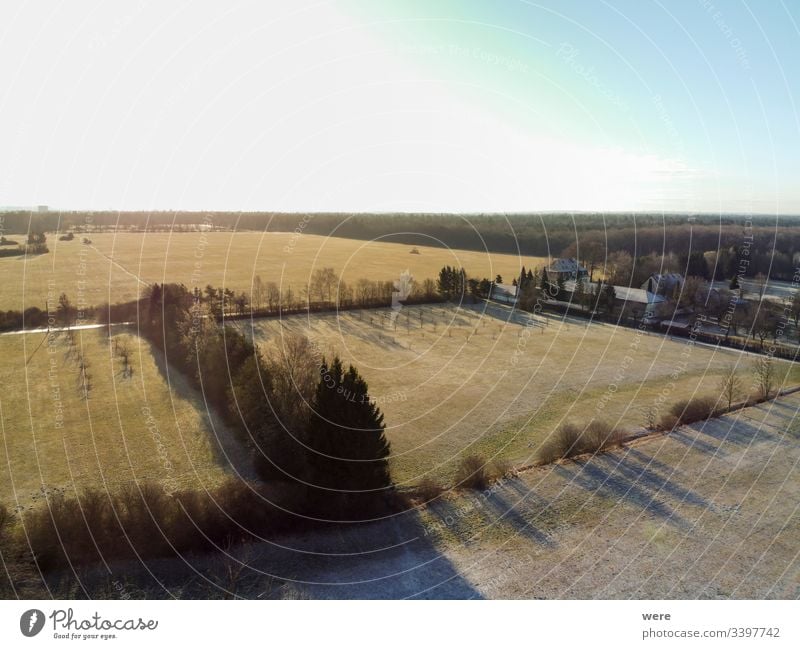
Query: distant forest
[(772, 244)]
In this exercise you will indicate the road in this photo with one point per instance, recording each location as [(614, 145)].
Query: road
[(44, 330)]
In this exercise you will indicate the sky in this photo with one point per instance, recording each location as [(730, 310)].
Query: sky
[(402, 105)]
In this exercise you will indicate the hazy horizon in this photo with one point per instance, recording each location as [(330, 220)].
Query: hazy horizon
[(356, 106)]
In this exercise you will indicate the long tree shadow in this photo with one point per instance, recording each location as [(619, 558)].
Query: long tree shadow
[(777, 404), (734, 430), (396, 558), (479, 513), (693, 439), (509, 512), (610, 481), (786, 415), (644, 475), (649, 460), (388, 559), (231, 452)]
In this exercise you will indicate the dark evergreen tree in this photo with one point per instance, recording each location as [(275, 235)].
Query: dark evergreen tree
[(695, 264), (345, 436), (560, 285)]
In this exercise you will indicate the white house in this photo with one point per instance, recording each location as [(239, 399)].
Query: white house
[(646, 304), (506, 293)]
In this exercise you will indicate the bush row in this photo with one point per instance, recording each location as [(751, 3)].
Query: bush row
[(145, 522), (570, 440)]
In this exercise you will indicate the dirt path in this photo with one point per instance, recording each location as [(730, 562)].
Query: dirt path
[(118, 265)]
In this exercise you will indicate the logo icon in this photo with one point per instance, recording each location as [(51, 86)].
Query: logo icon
[(31, 622)]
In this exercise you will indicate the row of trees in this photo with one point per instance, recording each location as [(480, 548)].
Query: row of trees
[(622, 269), (311, 422), (325, 290), (591, 238), (36, 244)]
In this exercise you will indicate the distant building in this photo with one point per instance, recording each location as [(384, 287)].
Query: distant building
[(663, 284), (506, 293), (566, 269), (646, 304), (636, 302), (41, 208)]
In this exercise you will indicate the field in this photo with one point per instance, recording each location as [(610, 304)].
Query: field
[(141, 426), (665, 517), (450, 381), (708, 511), (115, 266), (456, 381)]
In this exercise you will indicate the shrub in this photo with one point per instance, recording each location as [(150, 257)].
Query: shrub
[(569, 440), (500, 468), (472, 474), (668, 421), (560, 444), (600, 436), (427, 490), (688, 411), (146, 522), (4, 520)]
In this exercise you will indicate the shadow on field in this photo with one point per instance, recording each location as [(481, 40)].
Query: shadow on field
[(626, 479), (509, 510), (639, 469), (387, 559), (231, 452), (786, 414), (693, 440), (390, 559), (735, 429)]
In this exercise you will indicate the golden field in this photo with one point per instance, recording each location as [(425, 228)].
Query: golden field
[(451, 381), (116, 266), (145, 427), (466, 382)]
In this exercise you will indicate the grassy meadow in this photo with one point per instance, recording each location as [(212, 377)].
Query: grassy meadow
[(451, 381), (139, 427), (460, 381), (115, 266)]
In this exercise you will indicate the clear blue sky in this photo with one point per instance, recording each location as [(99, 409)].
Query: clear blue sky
[(403, 105)]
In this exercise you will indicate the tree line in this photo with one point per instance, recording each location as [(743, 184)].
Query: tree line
[(309, 420), (592, 238)]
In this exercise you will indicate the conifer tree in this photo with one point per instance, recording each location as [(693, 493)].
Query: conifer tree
[(346, 440)]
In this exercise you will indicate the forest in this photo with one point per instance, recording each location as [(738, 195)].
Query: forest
[(771, 241)]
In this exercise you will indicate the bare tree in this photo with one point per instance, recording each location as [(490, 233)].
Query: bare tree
[(322, 285), (764, 324), (765, 375), (761, 284), (259, 292), (294, 369), (273, 294), (730, 384), (64, 310), (650, 416)]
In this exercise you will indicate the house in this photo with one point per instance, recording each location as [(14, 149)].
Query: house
[(635, 302), (506, 293), (640, 302), (566, 269), (663, 283)]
